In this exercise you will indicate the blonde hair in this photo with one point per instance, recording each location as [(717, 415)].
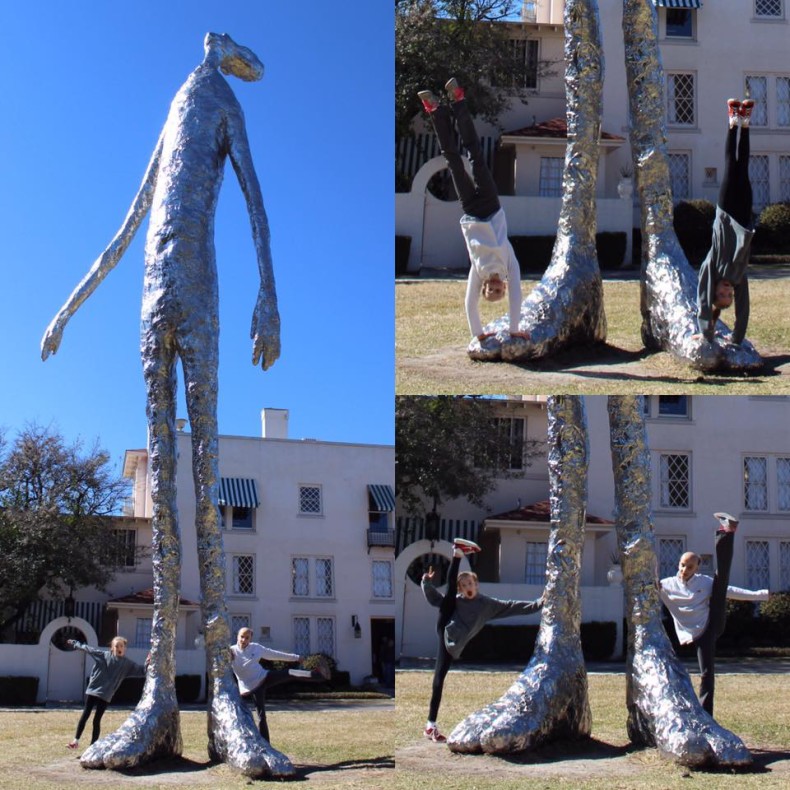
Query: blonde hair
[(465, 575), (493, 296)]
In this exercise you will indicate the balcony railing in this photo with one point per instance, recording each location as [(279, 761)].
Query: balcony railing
[(381, 537)]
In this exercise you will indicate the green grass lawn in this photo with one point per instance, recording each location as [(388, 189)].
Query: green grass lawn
[(756, 707), (431, 336)]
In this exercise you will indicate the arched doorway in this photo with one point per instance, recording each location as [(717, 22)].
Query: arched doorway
[(66, 667)]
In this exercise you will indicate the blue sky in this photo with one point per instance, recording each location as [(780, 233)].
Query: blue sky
[(86, 88)]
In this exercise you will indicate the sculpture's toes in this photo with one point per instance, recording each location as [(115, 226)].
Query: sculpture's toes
[(516, 348), (727, 749), (467, 736), (487, 350), (743, 357)]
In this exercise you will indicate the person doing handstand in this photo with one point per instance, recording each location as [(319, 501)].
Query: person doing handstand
[(698, 603), (494, 266), (722, 276), (461, 616)]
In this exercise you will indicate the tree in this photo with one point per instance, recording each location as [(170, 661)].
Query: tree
[(55, 527), (452, 447), (437, 39)]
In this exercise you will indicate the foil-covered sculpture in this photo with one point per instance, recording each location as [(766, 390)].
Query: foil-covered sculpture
[(566, 307), (205, 125), (663, 709), (668, 283), (548, 701)]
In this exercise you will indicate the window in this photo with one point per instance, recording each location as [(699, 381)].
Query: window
[(757, 88), (679, 168), (769, 9), (320, 629), (243, 574), (237, 622), (680, 97), (526, 53), (673, 406), (669, 552), (755, 483), (784, 565), (680, 23), (529, 11), (550, 176), (783, 101), (325, 635), (758, 575), (310, 499), (761, 186), (783, 483), (241, 517), (512, 430), (301, 635), (784, 178), (381, 502), (674, 477), (382, 579), (318, 584), (127, 543), (142, 632), (535, 569)]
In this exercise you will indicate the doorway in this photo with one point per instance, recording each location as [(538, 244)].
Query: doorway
[(382, 648), (66, 666)]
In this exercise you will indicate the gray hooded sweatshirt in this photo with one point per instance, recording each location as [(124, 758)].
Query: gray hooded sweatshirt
[(108, 672)]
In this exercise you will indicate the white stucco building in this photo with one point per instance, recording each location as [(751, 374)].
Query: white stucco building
[(309, 545), (707, 454), (710, 51)]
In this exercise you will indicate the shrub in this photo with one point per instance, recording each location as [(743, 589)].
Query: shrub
[(187, 688), (20, 690), (598, 640), (402, 249), (611, 249), (534, 252), (693, 223), (774, 620), (740, 630), (773, 229)]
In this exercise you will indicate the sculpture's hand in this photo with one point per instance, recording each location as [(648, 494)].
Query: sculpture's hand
[(52, 337), (265, 332)]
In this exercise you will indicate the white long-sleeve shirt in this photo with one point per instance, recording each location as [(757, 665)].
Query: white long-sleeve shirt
[(689, 603), (490, 253), (246, 667)]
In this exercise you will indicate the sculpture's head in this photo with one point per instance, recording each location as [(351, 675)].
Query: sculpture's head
[(232, 58), (468, 585)]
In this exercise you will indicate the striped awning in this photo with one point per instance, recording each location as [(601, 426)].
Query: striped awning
[(382, 496), (677, 3), (238, 492)]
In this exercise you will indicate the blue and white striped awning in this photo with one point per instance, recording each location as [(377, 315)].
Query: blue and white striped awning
[(238, 492), (383, 497), (677, 3)]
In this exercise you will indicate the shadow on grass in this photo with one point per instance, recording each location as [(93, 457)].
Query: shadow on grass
[(765, 757), (169, 765), (374, 763), (587, 749)]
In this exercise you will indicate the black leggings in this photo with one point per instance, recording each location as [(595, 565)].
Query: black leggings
[(275, 677), (478, 195), (706, 642), (443, 658), (92, 702), (735, 195)]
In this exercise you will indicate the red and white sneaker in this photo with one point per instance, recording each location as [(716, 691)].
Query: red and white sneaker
[(429, 101), (733, 112), (728, 523), (454, 91), (745, 113), (466, 546), (433, 734)]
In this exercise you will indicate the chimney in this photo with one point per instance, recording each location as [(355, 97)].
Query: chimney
[(274, 423)]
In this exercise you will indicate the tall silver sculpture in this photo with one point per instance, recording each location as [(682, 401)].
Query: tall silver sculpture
[(668, 283), (663, 709), (548, 701), (566, 307), (205, 125)]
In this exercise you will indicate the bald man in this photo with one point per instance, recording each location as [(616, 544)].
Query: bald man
[(697, 603)]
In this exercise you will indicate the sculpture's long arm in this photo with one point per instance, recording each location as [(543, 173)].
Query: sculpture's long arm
[(265, 330), (104, 264)]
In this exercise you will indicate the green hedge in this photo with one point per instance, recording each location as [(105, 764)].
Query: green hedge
[(773, 230), (402, 249), (21, 690), (130, 691), (534, 252)]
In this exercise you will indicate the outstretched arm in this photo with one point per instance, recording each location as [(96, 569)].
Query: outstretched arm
[(106, 262), (265, 331)]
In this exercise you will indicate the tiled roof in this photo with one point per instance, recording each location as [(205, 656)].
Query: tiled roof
[(147, 597), (556, 127), (540, 511)]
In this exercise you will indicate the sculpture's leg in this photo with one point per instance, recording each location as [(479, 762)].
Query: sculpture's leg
[(153, 730), (668, 283), (232, 735), (549, 699), (662, 706), (566, 308)]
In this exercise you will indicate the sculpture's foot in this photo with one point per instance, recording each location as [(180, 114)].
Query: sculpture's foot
[(234, 739), (564, 310), (548, 702), (664, 711), (669, 316), (151, 732)]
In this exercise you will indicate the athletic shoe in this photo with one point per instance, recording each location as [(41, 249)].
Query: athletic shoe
[(433, 734), (747, 105), (728, 523), (73, 745), (733, 112), (429, 101), (454, 91), (466, 546)]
